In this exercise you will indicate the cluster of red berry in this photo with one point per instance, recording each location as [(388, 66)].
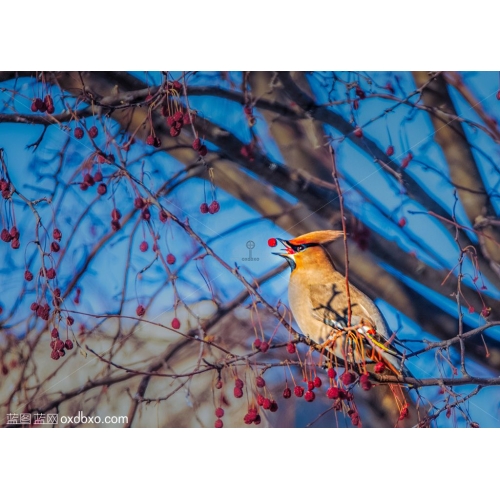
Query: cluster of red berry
[(58, 346), (90, 180), (11, 236), (79, 133), (213, 208), (5, 188), (260, 345), (47, 104)]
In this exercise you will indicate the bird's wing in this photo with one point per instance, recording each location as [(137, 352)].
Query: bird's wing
[(329, 305)]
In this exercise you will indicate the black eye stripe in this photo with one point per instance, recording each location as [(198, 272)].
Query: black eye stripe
[(300, 248)]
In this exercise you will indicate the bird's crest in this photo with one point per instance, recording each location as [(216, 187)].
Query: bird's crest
[(319, 237)]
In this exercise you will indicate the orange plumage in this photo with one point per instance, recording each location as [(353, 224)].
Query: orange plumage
[(318, 300)]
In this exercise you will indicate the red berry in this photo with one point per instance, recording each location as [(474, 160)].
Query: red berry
[(178, 116), (15, 244), (39, 104), (174, 132), (146, 214), (143, 247), (299, 391), (78, 132), (365, 382), (48, 101), (163, 216), (485, 312), (214, 207), (310, 385), (498, 95), (404, 413), (389, 151), (238, 392), (98, 176), (56, 233), (219, 412), (115, 224), (115, 214), (360, 92), (203, 150), (70, 320), (34, 107), (406, 160), (150, 140), (348, 378), (264, 346), (219, 424), (272, 242), (170, 121), (309, 396), (247, 110), (218, 385), (139, 203), (54, 333), (238, 383), (343, 394), (51, 273), (256, 344), (260, 382), (249, 418), (68, 344), (88, 179), (379, 367), (355, 419), (471, 309), (204, 208), (50, 109), (257, 419), (140, 310), (177, 85), (358, 132), (59, 344), (28, 275), (55, 355), (5, 236), (332, 373), (93, 132), (196, 144), (55, 247), (402, 222), (102, 189), (170, 259), (287, 393), (274, 406), (260, 399), (290, 347), (84, 186), (332, 393), (176, 324), (317, 382), (355, 103), (14, 232), (266, 404)]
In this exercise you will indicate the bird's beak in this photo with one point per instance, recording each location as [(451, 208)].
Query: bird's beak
[(287, 246), (286, 254)]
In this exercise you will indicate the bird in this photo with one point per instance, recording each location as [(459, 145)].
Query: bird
[(319, 303)]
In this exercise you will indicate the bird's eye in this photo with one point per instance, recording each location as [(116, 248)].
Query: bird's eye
[(300, 248)]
